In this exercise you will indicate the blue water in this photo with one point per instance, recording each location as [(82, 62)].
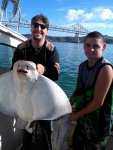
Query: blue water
[(71, 55), (6, 54)]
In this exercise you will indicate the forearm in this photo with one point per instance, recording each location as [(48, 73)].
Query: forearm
[(91, 107), (52, 67), (72, 99)]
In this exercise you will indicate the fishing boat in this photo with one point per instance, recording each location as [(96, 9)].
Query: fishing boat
[(9, 40), (10, 138)]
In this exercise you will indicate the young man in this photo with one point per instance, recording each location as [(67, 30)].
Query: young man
[(44, 54), (93, 97)]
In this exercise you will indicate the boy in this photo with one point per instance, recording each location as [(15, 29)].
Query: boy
[(93, 97)]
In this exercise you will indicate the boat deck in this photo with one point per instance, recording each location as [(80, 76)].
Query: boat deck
[(110, 143)]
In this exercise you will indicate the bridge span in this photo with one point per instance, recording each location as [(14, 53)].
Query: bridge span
[(77, 29)]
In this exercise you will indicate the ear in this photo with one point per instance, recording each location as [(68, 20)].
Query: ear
[(104, 46), (46, 31)]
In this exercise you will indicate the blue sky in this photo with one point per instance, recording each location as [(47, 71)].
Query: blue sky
[(91, 14)]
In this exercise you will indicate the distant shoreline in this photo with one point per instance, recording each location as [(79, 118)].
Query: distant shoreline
[(68, 39)]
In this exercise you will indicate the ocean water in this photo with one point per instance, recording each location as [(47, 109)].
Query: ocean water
[(70, 54), (6, 54)]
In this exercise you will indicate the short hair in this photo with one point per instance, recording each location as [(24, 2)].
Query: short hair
[(94, 34), (41, 17)]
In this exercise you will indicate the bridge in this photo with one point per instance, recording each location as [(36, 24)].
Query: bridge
[(76, 29), (13, 18)]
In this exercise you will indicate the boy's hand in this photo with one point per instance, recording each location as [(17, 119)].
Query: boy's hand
[(73, 117)]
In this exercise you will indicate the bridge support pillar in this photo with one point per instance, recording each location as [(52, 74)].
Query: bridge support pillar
[(77, 38)]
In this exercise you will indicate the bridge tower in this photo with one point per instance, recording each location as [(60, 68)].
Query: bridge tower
[(10, 17), (77, 37), (78, 29)]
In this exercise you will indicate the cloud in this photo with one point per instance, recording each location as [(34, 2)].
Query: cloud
[(104, 28), (98, 13), (79, 14), (98, 18), (99, 25), (106, 14), (23, 15), (103, 13)]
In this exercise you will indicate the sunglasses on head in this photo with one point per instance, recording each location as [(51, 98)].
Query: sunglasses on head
[(42, 26)]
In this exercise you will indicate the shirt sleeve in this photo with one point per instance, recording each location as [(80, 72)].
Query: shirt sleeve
[(52, 68)]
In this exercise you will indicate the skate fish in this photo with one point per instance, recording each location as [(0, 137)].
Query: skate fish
[(27, 95)]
